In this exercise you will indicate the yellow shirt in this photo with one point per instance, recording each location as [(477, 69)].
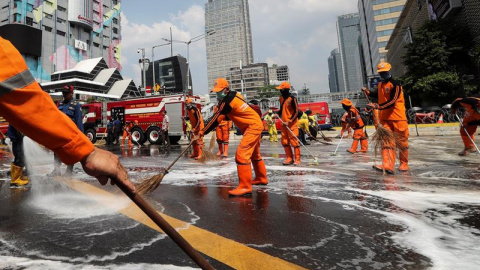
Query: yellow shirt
[(189, 125), (303, 124)]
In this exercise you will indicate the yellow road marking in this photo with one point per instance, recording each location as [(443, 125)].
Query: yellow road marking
[(227, 251)]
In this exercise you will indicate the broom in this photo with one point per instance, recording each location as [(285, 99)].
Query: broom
[(324, 137), (208, 155), (150, 184)]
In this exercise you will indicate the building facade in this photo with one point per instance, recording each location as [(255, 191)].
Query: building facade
[(377, 21), (254, 77), (335, 73), (55, 35), (231, 46), (278, 74), (348, 31)]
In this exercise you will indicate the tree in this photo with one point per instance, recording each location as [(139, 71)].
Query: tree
[(267, 92), (438, 61), (305, 90)]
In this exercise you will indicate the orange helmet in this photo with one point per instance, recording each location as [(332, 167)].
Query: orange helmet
[(383, 67), (188, 101), (136, 122), (219, 85), (283, 85), (346, 102)]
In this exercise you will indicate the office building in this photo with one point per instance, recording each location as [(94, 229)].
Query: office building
[(377, 21), (170, 75), (56, 35), (254, 76), (278, 74), (231, 46), (348, 31), (335, 72)]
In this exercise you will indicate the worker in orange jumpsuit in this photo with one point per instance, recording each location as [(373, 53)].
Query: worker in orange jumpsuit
[(344, 123), (223, 136), (127, 133), (197, 125), (288, 114), (21, 100), (354, 120), (392, 116), (234, 107), (470, 121)]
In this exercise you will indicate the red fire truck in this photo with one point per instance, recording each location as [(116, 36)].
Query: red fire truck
[(146, 110)]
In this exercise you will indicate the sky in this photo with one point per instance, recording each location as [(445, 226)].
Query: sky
[(297, 33)]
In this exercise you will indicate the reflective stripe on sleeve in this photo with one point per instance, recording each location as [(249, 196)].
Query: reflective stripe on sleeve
[(19, 81)]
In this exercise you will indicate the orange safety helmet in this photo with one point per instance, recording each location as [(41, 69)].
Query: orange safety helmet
[(383, 67), (136, 122), (346, 102), (283, 85), (188, 101), (219, 85)]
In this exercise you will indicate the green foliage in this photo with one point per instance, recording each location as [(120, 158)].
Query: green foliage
[(268, 92), (305, 91), (437, 60)]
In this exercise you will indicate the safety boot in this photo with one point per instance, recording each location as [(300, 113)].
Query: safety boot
[(225, 150), (195, 151), (297, 156), (466, 151), (289, 156), (199, 151), (364, 146), (354, 147), (17, 177), (388, 156), (244, 181), (260, 173), (69, 171), (403, 161), (220, 148)]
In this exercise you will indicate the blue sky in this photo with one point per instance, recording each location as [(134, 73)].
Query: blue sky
[(297, 33)]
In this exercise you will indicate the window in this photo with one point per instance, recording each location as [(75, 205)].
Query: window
[(29, 21), (48, 16), (61, 21), (96, 45), (115, 30), (48, 29), (115, 20), (61, 33), (7, 6), (86, 30), (62, 9)]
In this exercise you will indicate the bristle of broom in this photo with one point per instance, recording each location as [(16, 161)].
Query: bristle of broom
[(150, 184), (207, 154), (382, 138)]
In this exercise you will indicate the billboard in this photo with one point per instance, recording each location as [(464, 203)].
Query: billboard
[(81, 12)]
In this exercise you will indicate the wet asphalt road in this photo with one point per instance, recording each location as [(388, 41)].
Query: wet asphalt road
[(336, 213)]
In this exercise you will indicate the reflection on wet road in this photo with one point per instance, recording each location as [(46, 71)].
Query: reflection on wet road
[(336, 214)]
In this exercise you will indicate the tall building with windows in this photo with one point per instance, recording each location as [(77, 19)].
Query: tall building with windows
[(278, 74), (377, 21), (231, 45), (55, 35), (348, 31), (335, 72)]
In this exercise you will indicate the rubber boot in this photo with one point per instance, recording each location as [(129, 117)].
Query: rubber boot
[(260, 173), (364, 146), (220, 149), (16, 174), (354, 147), (289, 154), (195, 151), (388, 156), (297, 156), (244, 181), (403, 161), (56, 168), (225, 150), (465, 152), (69, 170)]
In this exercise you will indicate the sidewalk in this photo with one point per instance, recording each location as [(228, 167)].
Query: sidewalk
[(445, 129)]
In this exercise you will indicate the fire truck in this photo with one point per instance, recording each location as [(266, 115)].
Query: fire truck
[(146, 110)]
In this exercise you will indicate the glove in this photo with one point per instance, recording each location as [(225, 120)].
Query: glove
[(372, 105)]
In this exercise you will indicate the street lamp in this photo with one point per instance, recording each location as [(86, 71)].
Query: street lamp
[(143, 66), (153, 60), (197, 38)]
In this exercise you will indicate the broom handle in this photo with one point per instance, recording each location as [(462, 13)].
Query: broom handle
[(341, 138), (415, 117), (465, 130), (375, 120), (165, 226), (297, 138), (183, 152)]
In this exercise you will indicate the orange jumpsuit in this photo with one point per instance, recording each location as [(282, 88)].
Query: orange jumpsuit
[(21, 101), (356, 122), (392, 116), (127, 134), (247, 120), (343, 120), (470, 121), (223, 136), (197, 125), (288, 113)]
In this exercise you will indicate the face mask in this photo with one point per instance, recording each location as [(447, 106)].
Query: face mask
[(269, 113), (346, 108), (385, 75), (285, 92), (221, 95)]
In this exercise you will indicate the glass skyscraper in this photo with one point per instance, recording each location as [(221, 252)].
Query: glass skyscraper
[(232, 41)]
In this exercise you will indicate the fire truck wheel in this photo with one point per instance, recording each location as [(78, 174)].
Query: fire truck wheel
[(137, 135), (154, 136), (91, 135)]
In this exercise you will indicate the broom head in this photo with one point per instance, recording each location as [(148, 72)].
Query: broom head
[(150, 184)]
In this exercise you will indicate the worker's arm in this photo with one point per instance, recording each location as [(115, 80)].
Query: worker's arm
[(393, 97), (295, 109)]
